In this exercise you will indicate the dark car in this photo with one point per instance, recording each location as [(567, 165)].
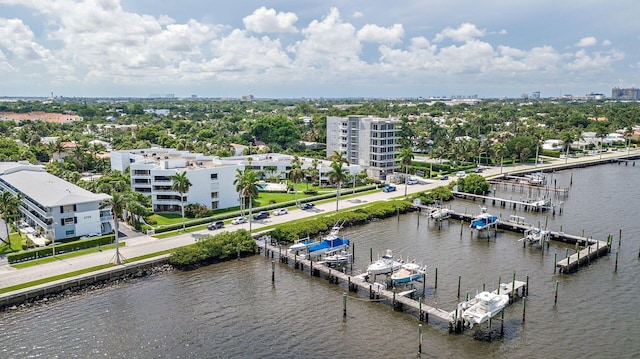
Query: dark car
[(444, 178), (261, 215), (215, 225), (307, 206)]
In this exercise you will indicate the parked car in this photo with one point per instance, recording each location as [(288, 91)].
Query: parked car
[(215, 225), (412, 181), (239, 220), (444, 178), (388, 188), (90, 235), (461, 174), (261, 215), (280, 212), (307, 206), (478, 170)]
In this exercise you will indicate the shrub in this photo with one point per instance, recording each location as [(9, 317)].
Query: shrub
[(211, 249)]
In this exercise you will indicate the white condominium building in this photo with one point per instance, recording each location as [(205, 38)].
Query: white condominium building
[(365, 140), (151, 170), (54, 208)]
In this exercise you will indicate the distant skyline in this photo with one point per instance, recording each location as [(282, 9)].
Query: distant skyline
[(314, 48)]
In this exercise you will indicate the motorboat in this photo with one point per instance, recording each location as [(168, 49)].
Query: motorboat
[(536, 179), (331, 243), (302, 244), (483, 220), (440, 213), (337, 258), (536, 236), (385, 264), (481, 308), (408, 273)]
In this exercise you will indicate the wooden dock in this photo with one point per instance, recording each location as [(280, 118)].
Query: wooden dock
[(401, 301), (496, 183), (584, 256), (591, 248), (537, 206)]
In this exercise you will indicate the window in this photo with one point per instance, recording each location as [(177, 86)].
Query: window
[(214, 176), (67, 221), (70, 232), (214, 205), (214, 194)]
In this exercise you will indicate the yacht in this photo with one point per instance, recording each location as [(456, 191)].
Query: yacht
[(385, 264)]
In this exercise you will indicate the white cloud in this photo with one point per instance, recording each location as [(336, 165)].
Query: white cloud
[(382, 35), (267, 20), (357, 15), (587, 41), (606, 43), (18, 40), (465, 32)]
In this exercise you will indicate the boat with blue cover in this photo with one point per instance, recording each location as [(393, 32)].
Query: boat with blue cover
[(329, 244), (483, 220)]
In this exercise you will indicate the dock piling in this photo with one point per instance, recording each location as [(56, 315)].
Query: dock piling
[(555, 260), (436, 284), (419, 338), (273, 271), (555, 298), (344, 305), (524, 309), (616, 267), (459, 277)]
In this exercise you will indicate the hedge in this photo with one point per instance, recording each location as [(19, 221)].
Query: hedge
[(291, 231), (60, 248)]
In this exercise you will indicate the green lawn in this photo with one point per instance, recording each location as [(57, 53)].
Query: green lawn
[(164, 219), (65, 255), (16, 244)]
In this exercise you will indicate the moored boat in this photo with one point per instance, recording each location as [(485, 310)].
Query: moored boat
[(483, 220), (331, 243), (385, 264), (408, 273), (481, 308), (302, 244)]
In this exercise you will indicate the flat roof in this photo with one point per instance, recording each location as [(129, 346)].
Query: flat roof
[(47, 189)]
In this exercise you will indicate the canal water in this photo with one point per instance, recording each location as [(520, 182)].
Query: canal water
[(233, 310)]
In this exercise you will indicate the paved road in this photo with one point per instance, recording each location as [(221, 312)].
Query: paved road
[(138, 244)]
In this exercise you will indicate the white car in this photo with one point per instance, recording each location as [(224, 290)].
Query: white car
[(280, 212), (412, 181), (239, 220), (461, 174)]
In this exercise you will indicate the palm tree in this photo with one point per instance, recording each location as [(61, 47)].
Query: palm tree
[(56, 147), (296, 173), (118, 202), (500, 149), (568, 139), (406, 156), (246, 186), (9, 207), (337, 174), (180, 183)]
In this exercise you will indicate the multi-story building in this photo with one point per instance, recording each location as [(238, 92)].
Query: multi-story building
[(55, 208), (211, 177), (278, 165), (365, 140), (625, 94), (151, 170)]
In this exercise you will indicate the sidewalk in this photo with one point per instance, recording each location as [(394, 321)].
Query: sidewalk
[(143, 244)]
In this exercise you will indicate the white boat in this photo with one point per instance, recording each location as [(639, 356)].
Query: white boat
[(481, 308), (536, 179), (337, 258), (302, 244), (440, 213), (536, 236), (385, 264), (408, 273), (483, 220)]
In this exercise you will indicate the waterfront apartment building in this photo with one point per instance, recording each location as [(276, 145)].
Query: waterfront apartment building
[(52, 207), (277, 165), (151, 170), (367, 141), (211, 177)]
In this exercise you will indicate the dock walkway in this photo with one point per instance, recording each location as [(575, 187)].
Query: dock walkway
[(401, 301)]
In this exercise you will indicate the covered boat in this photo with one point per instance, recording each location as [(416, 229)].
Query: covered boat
[(483, 220)]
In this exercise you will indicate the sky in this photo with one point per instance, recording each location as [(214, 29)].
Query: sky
[(316, 48)]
